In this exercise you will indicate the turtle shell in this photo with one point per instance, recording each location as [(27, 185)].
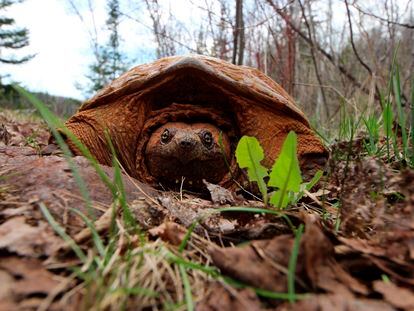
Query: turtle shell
[(239, 100)]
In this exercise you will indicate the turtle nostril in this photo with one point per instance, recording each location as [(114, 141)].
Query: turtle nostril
[(186, 143)]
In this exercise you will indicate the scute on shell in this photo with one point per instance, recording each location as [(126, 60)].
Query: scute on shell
[(239, 99)]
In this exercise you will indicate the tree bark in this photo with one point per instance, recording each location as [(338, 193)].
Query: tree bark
[(238, 35)]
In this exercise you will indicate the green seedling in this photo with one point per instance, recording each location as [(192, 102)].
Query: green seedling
[(395, 118), (285, 174), (249, 154), (372, 125), (285, 179)]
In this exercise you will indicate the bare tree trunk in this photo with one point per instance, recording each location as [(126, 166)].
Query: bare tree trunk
[(153, 10), (238, 35), (291, 38)]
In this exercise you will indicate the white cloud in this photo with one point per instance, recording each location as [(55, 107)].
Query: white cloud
[(60, 43)]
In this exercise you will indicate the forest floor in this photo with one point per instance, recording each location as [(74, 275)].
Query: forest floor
[(71, 245)]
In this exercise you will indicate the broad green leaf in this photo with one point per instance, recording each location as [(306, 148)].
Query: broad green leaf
[(249, 154), (285, 174), (280, 199)]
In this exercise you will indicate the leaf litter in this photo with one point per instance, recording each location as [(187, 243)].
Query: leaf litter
[(356, 252)]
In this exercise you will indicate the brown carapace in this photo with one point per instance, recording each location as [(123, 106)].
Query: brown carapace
[(165, 120)]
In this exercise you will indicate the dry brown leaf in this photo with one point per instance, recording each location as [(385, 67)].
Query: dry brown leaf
[(332, 302), (399, 297), (29, 276), (6, 282), (219, 195), (261, 264), (321, 266), (363, 246), (21, 238), (222, 298), (169, 232)]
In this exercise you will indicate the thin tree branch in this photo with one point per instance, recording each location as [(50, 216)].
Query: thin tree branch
[(361, 61), (348, 13), (315, 63), (329, 56), (158, 33), (405, 25)]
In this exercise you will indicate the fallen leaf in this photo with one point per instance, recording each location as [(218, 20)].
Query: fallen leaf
[(219, 195), (227, 298), (30, 277), (322, 268), (26, 240), (261, 264), (399, 297), (169, 232), (332, 302)]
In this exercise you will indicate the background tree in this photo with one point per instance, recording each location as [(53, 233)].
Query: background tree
[(109, 62), (238, 35), (11, 38)]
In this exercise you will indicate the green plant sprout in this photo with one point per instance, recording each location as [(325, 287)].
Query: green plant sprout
[(398, 134), (285, 179), (249, 154)]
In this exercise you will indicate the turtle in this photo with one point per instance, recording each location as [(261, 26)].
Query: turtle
[(178, 119)]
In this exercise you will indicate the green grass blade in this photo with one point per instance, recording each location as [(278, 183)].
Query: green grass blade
[(59, 230), (54, 123), (120, 193), (388, 120), (401, 115), (390, 80), (292, 264), (262, 292), (187, 236), (212, 271), (86, 153), (309, 185), (281, 296), (187, 288), (135, 291), (95, 236)]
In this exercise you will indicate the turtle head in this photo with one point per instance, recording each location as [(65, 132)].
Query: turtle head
[(191, 151)]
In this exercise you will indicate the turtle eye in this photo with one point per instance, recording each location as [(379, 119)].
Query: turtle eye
[(207, 139), (165, 136)]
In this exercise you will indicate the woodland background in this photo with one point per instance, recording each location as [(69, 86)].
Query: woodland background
[(328, 54)]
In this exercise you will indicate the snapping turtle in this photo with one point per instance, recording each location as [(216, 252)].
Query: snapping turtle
[(181, 116)]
